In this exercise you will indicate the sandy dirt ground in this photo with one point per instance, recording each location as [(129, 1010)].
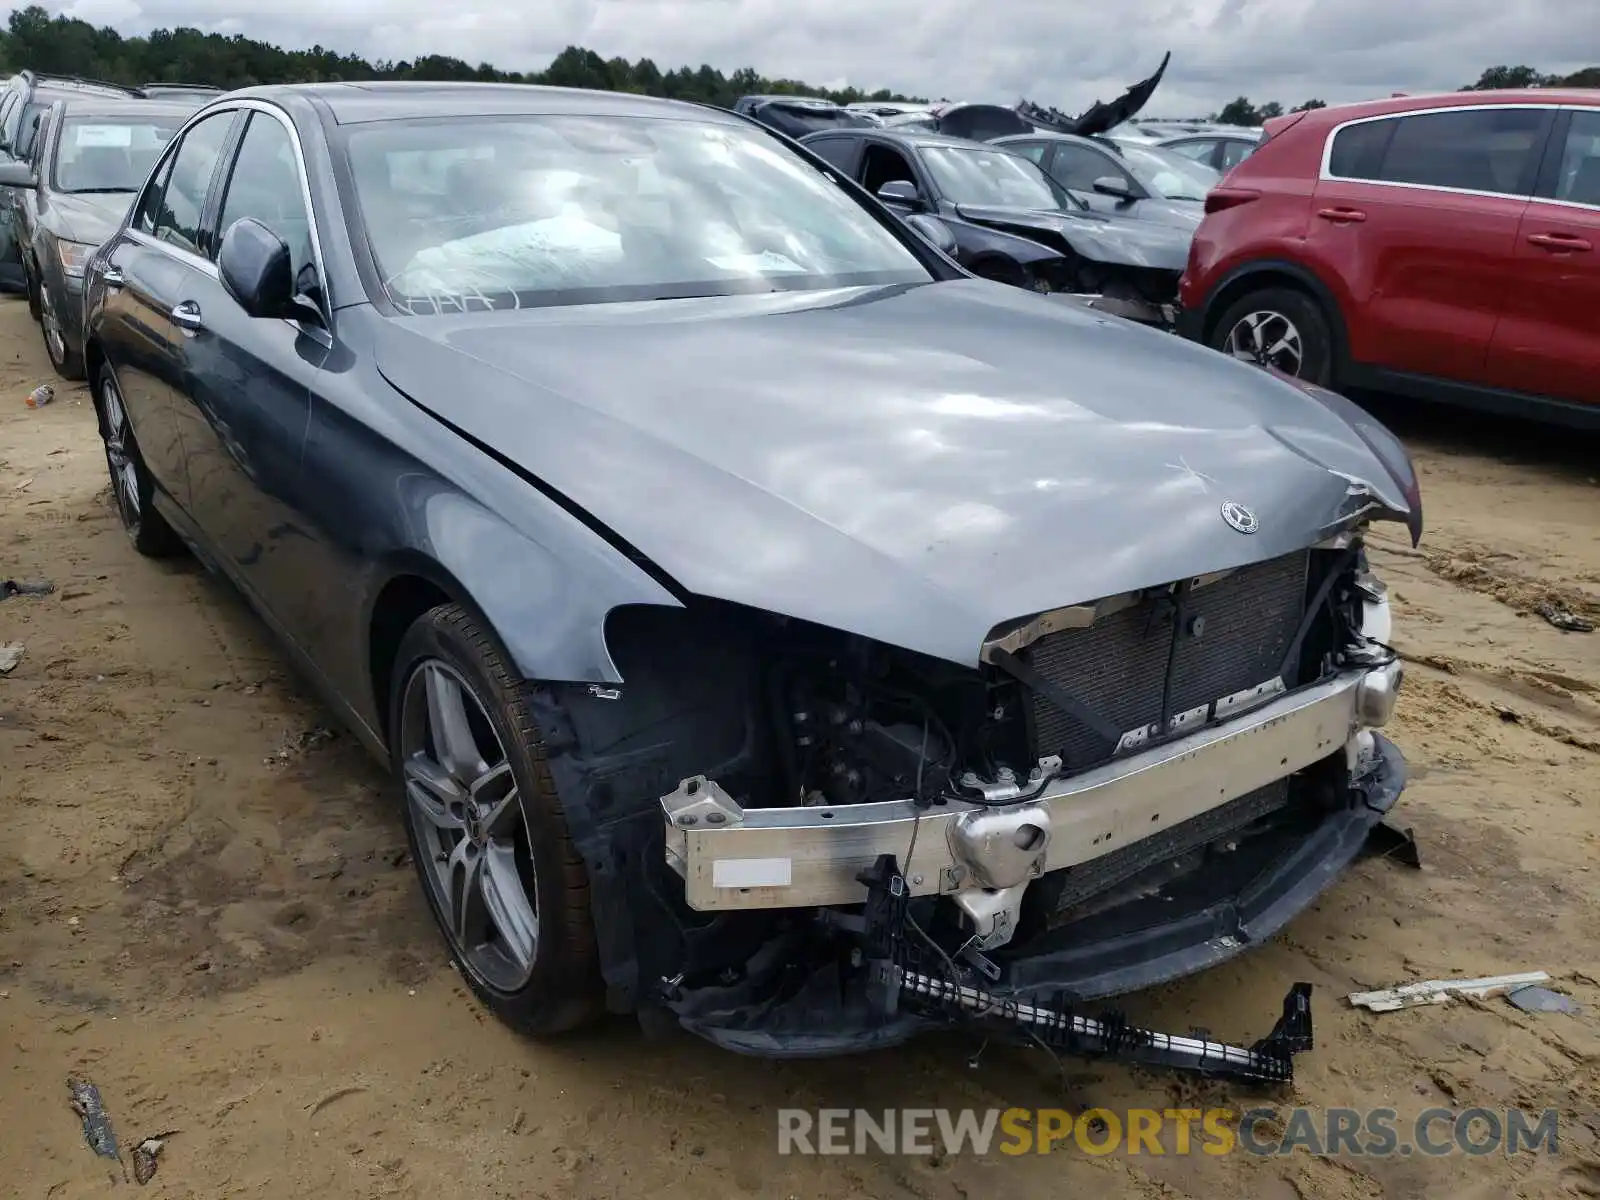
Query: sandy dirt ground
[(206, 909)]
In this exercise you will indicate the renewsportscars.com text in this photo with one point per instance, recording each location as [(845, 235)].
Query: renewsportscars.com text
[(1331, 1132)]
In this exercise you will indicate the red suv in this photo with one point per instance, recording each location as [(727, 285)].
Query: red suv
[(1441, 246)]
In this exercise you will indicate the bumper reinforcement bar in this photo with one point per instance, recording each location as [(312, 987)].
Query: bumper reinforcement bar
[(732, 857)]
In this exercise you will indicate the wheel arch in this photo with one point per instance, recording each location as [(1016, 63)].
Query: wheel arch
[(1270, 273), (554, 637)]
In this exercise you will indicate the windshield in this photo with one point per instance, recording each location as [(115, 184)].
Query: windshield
[(1168, 175), (995, 177), (508, 212), (110, 154)]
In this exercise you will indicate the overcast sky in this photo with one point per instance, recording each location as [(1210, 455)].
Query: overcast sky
[(1062, 52)]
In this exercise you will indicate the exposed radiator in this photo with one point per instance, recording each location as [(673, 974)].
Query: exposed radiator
[(1117, 667)]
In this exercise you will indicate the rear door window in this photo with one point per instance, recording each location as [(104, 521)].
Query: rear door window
[(1234, 152), (1200, 151), (1077, 167), (32, 114), (1494, 150), (841, 152), (10, 117), (1358, 150)]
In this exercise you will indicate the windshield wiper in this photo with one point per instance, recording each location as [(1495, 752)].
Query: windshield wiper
[(97, 191)]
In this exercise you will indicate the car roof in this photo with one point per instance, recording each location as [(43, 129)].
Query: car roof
[(1212, 135), (395, 99), (915, 137), (59, 86), (1585, 97), (809, 101), (1052, 136), (111, 106)]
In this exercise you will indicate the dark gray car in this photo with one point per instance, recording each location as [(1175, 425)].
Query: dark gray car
[(1002, 218), (92, 156), (23, 104), (1124, 179), (768, 624)]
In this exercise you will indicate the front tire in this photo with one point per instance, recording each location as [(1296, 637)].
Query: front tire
[(486, 828), (1281, 328), (131, 485), (30, 285), (67, 360)]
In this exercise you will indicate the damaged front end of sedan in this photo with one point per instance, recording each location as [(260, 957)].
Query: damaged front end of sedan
[(877, 843)]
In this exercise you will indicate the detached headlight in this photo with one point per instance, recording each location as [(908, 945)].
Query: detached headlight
[(74, 257)]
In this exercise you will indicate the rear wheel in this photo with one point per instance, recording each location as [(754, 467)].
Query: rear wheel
[(1280, 328), (487, 830), (66, 359), (131, 486)]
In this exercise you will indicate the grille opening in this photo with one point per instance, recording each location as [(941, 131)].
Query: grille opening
[(1119, 666)]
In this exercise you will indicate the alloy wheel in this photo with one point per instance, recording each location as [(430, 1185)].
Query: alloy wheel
[(466, 813), (120, 452), (54, 343), (1268, 339)]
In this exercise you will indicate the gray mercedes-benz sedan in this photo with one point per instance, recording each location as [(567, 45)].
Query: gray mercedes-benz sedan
[(766, 622)]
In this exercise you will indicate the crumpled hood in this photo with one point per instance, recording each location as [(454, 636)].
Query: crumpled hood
[(1123, 241), (1184, 215), (913, 464), (91, 218)]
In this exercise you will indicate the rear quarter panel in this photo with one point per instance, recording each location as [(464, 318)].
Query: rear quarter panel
[(1273, 226)]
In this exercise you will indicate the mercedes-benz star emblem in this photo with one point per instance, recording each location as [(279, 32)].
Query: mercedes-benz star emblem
[(1239, 517)]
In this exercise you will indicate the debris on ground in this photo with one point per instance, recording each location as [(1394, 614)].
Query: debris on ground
[(40, 396), (304, 742), (97, 1130), (1439, 991), (1388, 841), (145, 1155), (1564, 618), (25, 587), (10, 656), (1541, 1000)]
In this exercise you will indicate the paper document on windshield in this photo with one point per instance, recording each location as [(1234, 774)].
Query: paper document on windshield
[(120, 136)]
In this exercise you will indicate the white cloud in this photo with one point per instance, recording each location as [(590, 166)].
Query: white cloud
[(1066, 54)]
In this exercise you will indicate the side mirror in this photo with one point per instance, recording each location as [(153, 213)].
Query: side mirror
[(257, 269), (1112, 185), (901, 193), (18, 175), (935, 230)]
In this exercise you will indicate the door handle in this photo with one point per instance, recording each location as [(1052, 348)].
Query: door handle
[(1567, 243), (1342, 216), (186, 315), (113, 277)]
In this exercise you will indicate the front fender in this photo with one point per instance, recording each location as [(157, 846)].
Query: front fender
[(545, 589)]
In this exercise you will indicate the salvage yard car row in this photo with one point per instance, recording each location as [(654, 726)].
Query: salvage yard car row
[(1438, 246), (79, 150)]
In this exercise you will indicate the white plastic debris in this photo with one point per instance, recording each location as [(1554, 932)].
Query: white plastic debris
[(1439, 991), (10, 656)]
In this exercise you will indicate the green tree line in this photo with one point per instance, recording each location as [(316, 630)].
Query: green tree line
[(68, 46), (1241, 111)]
